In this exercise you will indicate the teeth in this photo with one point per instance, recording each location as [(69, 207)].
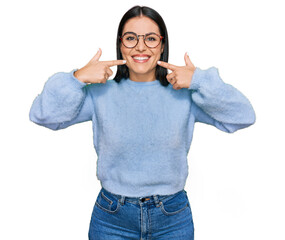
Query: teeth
[(141, 58)]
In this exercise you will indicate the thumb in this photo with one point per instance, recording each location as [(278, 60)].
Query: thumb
[(97, 55), (187, 60)]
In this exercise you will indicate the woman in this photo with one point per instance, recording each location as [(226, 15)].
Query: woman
[(143, 122)]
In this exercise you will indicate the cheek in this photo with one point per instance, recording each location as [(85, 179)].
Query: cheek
[(157, 55), (125, 52)]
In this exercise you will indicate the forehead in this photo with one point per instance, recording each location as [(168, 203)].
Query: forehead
[(141, 25)]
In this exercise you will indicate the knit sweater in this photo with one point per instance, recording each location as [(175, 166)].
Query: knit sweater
[(142, 131)]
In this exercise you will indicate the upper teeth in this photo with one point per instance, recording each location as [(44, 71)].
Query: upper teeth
[(141, 58)]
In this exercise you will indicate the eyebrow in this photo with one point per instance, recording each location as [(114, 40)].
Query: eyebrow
[(145, 33)]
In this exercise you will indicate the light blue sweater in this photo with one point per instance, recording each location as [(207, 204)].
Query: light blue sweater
[(142, 131)]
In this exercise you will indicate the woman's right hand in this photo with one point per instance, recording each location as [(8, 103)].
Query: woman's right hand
[(96, 71)]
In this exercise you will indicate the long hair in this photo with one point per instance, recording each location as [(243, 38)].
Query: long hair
[(160, 72)]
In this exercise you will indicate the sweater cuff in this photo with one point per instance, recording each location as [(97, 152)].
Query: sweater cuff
[(197, 78), (77, 81)]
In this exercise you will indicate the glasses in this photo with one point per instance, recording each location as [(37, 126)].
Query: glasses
[(131, 39)]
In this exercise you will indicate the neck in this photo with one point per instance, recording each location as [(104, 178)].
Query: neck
[(145, 77)]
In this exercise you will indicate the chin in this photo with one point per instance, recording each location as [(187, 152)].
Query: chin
[(141, 69)]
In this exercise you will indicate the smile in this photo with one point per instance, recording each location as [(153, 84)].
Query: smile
[(141, 59)]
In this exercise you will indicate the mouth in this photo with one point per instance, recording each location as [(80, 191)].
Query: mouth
[(141, 58)]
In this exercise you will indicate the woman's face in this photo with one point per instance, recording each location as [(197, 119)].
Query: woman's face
[(141, 25)]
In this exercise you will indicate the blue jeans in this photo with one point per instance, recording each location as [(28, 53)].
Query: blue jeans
[(157, 217)]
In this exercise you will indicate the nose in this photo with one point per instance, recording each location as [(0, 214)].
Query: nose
[(140, 46)]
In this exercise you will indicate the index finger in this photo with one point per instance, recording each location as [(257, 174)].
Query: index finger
[(115, 62), (167, 65)]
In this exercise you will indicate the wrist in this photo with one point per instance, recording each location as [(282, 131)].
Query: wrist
[(78, 76)]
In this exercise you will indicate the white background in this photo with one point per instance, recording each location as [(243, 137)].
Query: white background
[(48, 178)]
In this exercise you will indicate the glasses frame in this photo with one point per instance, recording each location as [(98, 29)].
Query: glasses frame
[(144, 37)]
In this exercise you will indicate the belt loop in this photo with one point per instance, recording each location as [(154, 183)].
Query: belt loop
[(122, 200), (156, 200)]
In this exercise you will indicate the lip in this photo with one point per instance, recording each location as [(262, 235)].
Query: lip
[(141, 55)]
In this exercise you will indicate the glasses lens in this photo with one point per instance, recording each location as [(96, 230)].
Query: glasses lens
[(130, 40), (152, 40)]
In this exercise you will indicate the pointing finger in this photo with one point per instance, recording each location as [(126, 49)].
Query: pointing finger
[(167, 65), (115, 62)]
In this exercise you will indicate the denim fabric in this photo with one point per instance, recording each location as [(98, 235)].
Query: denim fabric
[(156, 217)]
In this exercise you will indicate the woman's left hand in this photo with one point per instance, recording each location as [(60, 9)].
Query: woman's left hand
[(181, 76)]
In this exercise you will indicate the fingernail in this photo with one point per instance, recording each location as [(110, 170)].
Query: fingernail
[(124, 61), (158, 62), (187, 54)]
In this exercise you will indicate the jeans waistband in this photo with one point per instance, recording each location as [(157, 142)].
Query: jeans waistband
[(141, 200)]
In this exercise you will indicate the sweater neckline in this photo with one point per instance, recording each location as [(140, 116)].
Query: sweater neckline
[(141, 84)]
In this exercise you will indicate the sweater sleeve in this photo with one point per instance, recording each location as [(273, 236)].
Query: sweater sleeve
[(219, 104), (64, 101)]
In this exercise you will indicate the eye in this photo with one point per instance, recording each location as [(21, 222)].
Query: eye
[(151, 39), (130, 38)]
